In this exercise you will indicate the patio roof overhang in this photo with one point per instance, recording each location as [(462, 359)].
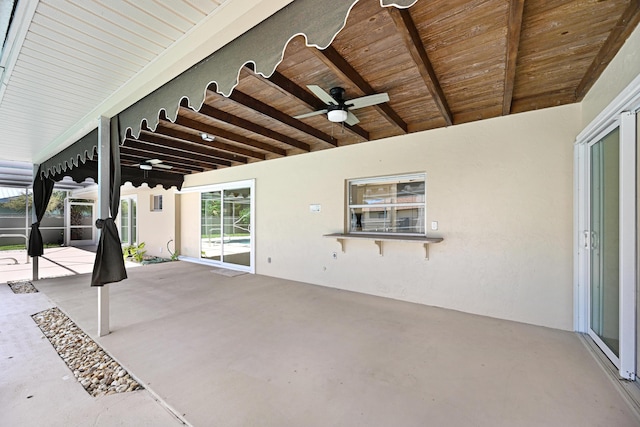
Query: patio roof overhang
[(262, 47), (442, 63)]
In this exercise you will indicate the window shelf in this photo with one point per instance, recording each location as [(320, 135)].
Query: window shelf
[(378, 239)]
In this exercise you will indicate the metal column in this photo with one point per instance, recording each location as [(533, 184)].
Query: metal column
[(104, 179)]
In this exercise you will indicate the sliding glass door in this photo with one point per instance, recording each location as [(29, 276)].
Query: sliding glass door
[(225, 226), (607, 223)]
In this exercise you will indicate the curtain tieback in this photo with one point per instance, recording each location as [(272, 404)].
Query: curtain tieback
[(100, 223)]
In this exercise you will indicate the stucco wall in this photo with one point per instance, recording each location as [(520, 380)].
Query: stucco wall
[(618, 74), (155, 229), (500, 189)]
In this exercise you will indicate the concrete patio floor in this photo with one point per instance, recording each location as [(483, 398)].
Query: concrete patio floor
[(56, 262), (254, 350)]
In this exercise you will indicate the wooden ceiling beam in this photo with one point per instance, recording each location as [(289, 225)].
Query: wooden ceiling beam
[(137, 157), (514, 29), (268, 111), (197, 140), (135, 147), (214, 130), (168, 146), (282, 83), (409, 33), (620, 32), (225, 117), (192, 142), (543, 100), (186, 123), (336, 63)]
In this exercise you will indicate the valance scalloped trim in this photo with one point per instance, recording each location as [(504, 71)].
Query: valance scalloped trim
[(86, 148), (79, 162), (319, 22)]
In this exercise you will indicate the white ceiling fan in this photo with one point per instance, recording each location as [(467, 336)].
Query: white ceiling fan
[(147, 165), (338, 109)]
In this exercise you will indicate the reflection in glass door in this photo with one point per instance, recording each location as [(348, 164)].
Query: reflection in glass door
[(605, 242), (210, 225), (80, 228), (225, 226), (128, 221)]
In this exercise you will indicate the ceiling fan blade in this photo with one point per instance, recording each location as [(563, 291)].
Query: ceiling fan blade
[(351, 119), (366, 101), (322, 94), (313, 113), (154, 161), (161, 166)]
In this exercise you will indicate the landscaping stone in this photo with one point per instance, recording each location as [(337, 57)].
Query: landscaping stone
[(22, 287), (94, 369)]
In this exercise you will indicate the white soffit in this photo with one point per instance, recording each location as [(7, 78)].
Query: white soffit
[(84, 58)]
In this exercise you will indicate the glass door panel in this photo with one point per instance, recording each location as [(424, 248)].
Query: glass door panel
[(134, 221), (225, 226), (237, 229), (128, 221), (124, 222), (81, 228), (211, 238), (605, 241)]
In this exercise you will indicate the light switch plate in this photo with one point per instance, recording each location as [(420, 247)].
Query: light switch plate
[(434, 225)]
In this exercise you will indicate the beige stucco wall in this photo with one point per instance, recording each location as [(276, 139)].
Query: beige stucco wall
[(500, 189), (619, 73), (189, 224), (155, 229)]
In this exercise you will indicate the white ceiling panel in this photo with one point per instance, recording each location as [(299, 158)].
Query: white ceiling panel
[(76, 54), (66, 62)]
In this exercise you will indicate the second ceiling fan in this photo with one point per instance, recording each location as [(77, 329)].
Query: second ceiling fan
[(338, 108), (147, 165)]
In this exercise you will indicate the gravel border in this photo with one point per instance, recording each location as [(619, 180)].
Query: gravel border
[(22, 287), (98, 373)]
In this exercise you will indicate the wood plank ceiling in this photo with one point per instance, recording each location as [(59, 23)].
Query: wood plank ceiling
[(442, 62)]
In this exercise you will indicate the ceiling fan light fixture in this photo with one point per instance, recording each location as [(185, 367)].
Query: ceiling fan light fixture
[(146, 167), (207, 137), (337, 116)]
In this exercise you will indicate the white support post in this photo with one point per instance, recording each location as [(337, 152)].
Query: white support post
[(35, 273), (104, 178)]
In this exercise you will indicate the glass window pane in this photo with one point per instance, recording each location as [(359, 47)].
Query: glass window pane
[(392, 219), (380, 207)]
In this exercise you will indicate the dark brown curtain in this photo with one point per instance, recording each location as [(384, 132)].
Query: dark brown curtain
[(109, 263), (42, 189)]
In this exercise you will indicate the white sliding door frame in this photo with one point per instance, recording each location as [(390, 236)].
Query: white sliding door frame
[(620, 113)]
